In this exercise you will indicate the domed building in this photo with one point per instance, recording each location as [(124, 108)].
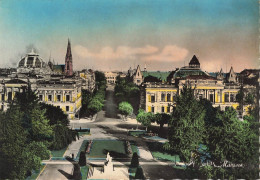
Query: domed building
[(33, 63)]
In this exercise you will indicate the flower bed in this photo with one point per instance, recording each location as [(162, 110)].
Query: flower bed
[(128, 148), (89, 147)]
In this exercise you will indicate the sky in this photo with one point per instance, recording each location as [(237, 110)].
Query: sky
[(113, 35)]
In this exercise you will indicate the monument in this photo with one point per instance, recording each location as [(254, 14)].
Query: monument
[(108, 171), (108, 165)]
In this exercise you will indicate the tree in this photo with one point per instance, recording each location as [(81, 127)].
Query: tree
[(135, 160), (235, 142), (139, 174), (144, 118), (250, 98), (41, 130), (54, 114), (125, 109), (17, 155), (186, 127), (162, 118), (62, 136), (82, 159), (95, 106)]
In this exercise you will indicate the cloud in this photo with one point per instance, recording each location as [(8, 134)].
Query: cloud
[(108, 53), (169, 53)]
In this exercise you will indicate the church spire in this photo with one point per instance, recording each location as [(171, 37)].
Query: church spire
[(68, 61)]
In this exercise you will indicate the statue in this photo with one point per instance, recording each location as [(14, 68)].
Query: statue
[(108, 165), (109, 158)]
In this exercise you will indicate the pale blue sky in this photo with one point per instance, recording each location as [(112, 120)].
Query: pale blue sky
[(116, 34)]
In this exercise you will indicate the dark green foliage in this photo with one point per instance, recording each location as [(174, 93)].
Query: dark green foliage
[(96, 100), (55, 114), (139, 173), (236, 142), (250, 98), (62, 136), (95, 106), (126, 90), (162, 118), (135, 160), (82, 159), (26, 133), (18, 154), (186, 128), (100, 76)]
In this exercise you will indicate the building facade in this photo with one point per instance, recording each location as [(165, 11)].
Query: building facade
[(111, 77), (221, 91), (51, 87)]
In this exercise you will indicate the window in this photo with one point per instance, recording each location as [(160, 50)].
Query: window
[(168, 97), (58, 97), (226, 97), (168, 109), (162, 97), (40, 97), (9, 96), (67, 97), (152, 109), (152, 98), (162, 109), (67, 108), (211, 98), (49, 97), (232, 98), (3, 97)]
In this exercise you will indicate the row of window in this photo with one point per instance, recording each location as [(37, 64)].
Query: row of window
[(111, 77), (163, 109), (110, 81), (67, 108), (164, 98), (50, 97)]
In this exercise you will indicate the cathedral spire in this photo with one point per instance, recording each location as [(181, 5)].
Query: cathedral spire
[(68, 61)]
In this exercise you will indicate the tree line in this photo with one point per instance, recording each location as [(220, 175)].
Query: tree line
[(126, 91), (94, 102), (28, 131), (195, 123)]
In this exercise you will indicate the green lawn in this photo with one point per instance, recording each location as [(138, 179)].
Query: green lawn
[(84, 172), (58, 153), (134, 149), (165, 156), (100, 148), (159, 153), (36, 173), (136, 133)]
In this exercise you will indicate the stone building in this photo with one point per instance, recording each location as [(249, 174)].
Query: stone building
[(51, 87), (88, 79), (221, 91), (62, 93), (111, 77)]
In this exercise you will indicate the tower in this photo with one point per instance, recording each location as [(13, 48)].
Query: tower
[(68, 61)]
